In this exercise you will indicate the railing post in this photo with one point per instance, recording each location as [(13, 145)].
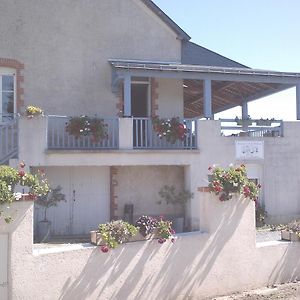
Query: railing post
[(126, 133)]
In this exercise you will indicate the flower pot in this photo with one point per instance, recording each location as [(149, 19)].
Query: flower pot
[(289, 236), (44, 231), (178, 224)]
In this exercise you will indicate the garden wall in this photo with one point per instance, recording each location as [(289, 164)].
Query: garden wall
[(199, 264)]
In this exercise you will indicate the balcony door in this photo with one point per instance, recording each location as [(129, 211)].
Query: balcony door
[(140, 99), (140, 109)]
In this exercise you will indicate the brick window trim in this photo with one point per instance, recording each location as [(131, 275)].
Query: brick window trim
[(19, 67)]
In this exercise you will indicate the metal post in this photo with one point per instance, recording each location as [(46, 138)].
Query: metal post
[(127, 96), (207, 99), (298, 100)]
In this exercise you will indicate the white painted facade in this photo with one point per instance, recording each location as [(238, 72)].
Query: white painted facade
[(67, 72)]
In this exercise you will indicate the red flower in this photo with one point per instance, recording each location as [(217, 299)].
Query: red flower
[(161, 240), (104, 248), (21, 173)]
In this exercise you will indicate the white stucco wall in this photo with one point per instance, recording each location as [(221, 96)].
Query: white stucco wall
[(170, 101), (139, 185), (65, 46), (147, 270)]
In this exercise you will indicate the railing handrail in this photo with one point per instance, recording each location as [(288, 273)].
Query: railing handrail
[(94, 116)]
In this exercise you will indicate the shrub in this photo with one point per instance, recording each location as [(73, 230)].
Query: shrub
[(225, 182)]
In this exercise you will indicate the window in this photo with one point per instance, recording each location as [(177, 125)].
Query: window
[(7, 97)]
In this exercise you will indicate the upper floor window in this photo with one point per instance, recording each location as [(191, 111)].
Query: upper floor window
[(7, 97)]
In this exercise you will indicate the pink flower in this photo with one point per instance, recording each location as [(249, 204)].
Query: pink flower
[(161, 240), (173, 240), (209, 168), (22, 164)]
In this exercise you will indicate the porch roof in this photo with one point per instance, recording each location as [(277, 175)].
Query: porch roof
[(231, 86)]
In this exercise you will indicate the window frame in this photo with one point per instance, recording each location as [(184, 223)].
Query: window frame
[(8, 72)]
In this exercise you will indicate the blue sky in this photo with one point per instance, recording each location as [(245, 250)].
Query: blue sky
[(263, 34)]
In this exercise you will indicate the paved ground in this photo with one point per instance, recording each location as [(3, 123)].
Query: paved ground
[(267, 236)]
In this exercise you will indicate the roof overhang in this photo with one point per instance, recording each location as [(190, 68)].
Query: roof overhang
[(230, 86)]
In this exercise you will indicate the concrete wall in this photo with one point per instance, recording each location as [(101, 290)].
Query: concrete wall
[(65, 46), (223, 260), (139, 185), (170, 101)]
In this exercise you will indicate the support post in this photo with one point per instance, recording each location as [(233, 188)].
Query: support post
[(127, 96), (298, 100), (245, 115), (207, 99)]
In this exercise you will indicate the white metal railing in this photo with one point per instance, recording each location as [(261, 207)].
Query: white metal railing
[(8, 140), (144, 137), (59, 139), (254, 128)]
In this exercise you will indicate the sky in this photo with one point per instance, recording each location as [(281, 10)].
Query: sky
[(261, 34)]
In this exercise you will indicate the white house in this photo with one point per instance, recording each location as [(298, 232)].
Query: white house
[(126, 62)]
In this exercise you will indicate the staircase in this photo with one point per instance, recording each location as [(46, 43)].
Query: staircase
[(8, 141)]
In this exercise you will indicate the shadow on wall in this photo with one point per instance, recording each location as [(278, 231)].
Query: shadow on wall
[(288, 267), (147, 270)]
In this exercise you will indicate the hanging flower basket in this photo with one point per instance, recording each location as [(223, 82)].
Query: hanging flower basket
[(33, 111), (86, 126), (171, 129)]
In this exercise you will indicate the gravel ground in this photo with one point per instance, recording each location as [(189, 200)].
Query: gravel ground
[(288, 291)]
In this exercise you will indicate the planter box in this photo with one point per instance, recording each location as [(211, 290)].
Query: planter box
[(96, 238), (289, 236)]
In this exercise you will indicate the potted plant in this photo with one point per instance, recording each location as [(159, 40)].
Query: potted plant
[(172, 129), (52, 198), (291, 232), (171, 196), (147, 226), (115, 233), (225, 182), (264, 122), (32, 111), (243, 122), (86, 126)]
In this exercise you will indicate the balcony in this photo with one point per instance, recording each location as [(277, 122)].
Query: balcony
[(253, 128), (123, 133)]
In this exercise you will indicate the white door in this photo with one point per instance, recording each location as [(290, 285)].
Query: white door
[(87, 191), (90, 198), (3, 266)]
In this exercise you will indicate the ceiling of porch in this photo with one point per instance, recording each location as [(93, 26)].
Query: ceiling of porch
[(225, 94)]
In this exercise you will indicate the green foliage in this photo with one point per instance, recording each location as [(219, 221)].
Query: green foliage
[(117, 232), (165, 230), (294, 226), (10, 177), (225, 182), (172, 129), (51, 199), (260, 215), (86, 126), (169, 195)]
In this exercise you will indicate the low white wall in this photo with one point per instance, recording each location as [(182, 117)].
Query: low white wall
[(223, 260)]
